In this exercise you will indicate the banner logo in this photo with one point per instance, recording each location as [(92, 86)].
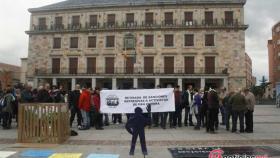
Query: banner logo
[(112, 101)]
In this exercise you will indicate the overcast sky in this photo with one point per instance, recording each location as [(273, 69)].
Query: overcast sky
[(261, 15)]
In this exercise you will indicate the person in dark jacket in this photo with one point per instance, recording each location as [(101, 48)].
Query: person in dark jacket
[(26, 95), (73, 100), (136, 127), (44, 94), (228, 109), (239, 108), (204, 107), (187, 99), (213, 110), (178, 107), (98, 123), (197, 103), (7, 108)]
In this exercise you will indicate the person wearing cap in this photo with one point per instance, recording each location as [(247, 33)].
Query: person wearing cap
[(251, 101)]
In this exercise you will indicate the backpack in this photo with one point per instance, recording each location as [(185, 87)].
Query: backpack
[(3, 102)]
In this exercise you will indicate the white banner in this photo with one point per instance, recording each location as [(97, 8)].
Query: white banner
[(125, 101)]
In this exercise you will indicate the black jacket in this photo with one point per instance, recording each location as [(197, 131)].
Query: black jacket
[(185, 98), (73, 99), (138, 122), (44, 96)]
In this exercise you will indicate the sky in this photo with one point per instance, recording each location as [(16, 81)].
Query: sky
[(260, 15)]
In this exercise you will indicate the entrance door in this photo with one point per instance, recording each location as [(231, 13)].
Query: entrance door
[(189, 65), (73, 65), (129, 65), (168, 65), (148, 65), (209, 65), (109, 64)]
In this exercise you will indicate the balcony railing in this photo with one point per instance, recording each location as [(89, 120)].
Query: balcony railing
[(143, 25), (134, 71)]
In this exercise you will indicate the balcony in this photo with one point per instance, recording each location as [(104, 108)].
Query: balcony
[(133, 71), (144, 25)]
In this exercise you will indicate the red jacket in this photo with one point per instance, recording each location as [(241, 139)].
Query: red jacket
[(84, 101), (96, 101)]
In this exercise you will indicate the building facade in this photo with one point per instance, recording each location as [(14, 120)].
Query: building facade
[(249, 71), (138, 44), (274, 55)]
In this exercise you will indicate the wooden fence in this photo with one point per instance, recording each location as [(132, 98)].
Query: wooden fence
[(43, 123)]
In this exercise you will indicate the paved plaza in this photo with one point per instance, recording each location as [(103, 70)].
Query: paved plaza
[(115, 140)]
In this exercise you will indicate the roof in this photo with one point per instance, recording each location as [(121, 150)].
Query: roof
[(84, 4), (8, 67)]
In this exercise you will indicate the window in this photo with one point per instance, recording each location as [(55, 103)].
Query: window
[(56, 43), (73, 65), (109, 65), (168, 18), (189, 18), (149, 41), (189, 65), (58, 22), (168, 41), (111, 19), (110, 41), (130, 18), (92, 42), (148, 65), (189, 40), (75, 20), (74, 42), (228, 17), (209, 40), (149, 18), (168, 65), (93, 20), (209, 18), (91, 65), (56, 65), (42, 24), (209, 65)]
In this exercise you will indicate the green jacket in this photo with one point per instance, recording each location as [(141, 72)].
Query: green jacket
[(9, 100), (238, 102)]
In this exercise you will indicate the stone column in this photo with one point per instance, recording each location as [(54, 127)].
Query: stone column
[(93, 83), (202, 83), (135, 83), (54, 82), (225, 83), (114, 83), (73, 83), (157, 82), (180, 83), (35, 83)]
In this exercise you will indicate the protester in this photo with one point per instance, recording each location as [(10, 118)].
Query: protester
[(204, 107), (213, 110), (187, 99), (44, 94), (222, 95), (98, 123), (250, 100), (136, 127), (228, 109), (73, 102), (7, 106), (238, 103), (156, 115), (84, 106), (197, 102), (177, 119), (26, 95)]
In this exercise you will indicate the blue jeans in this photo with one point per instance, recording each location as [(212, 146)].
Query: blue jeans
[(86, 118)]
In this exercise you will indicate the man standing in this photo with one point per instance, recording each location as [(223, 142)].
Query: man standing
[(84, 105), (73, 100), (178, 107), (96, 101), (197, 108), (222, 95), (7, 105), (187, 98), (213, 110), (250, 100), (238, 103)]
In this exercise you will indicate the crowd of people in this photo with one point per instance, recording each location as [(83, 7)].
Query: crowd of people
[(84, 104)]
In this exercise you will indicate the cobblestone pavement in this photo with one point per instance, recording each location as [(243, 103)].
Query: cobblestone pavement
[(115, 140)]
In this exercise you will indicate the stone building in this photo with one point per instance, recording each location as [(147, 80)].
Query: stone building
[(249, 71), (9, 75), (138, 44), (274, 55)]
